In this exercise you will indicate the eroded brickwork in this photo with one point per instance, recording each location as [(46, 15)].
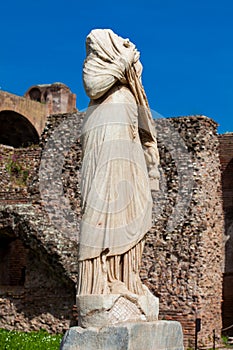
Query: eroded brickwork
[(44, 301), (183, 263), (226, 158), (35, 112), (183, 258), (57, 97), (18, 167)]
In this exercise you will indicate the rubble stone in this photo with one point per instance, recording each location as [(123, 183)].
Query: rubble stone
[(183, 258)]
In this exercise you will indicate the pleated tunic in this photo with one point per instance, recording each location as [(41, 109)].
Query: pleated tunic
[(116, 197)]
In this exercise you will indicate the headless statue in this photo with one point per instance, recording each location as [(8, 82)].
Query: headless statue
[(119, 149)]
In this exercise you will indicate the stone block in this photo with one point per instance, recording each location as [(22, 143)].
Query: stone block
[(158, 335), (108, 309)]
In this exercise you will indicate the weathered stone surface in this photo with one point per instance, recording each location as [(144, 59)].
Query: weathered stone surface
[(160, 335), (35, 112), (182, 263), (183, 267), (226, 159), (57, 97), (116, 217), (108, 309)]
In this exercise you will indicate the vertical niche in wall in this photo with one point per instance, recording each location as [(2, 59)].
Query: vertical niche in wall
[(13, 259)]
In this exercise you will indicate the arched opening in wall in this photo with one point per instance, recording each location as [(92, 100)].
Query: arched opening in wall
[(35, 94), (34, 284), (16, 130), (13, 259)]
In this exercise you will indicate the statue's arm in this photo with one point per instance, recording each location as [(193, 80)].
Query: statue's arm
[(152, 160)]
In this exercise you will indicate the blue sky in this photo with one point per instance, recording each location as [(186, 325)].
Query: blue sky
[(186, 49)]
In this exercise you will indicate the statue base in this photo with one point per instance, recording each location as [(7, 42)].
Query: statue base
[(102, 310), (123, 321), (158, 335)]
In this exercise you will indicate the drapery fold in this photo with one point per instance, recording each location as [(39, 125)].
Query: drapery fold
[(118, 138), (111, 58)]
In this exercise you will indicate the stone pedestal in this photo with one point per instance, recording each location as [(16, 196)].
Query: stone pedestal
[(122, 322), (109, 309), (158, 335)]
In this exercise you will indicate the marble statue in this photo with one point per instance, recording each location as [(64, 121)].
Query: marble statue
[(119, 149), (115, 310)]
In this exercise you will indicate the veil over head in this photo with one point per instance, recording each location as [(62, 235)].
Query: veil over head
[(115, 187), (110, 58)]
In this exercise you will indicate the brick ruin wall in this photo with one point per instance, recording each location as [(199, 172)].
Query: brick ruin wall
[(226, 158), (17, 170), (183, 257), (35, 112)]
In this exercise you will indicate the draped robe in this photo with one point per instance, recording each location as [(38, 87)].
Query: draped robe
[(116, 197)]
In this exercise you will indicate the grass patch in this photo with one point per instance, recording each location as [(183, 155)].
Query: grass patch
[(15, 340)]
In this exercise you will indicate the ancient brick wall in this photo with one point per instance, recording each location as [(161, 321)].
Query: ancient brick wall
[(44, 296), (226, 158), (13, 256), (35, 112), (47, 298), (57, 97), (45, 301), (183, 258), (18, 167)]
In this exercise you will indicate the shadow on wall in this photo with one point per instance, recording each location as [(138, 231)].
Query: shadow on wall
[(227, 187), (16, 130), (34, 291)]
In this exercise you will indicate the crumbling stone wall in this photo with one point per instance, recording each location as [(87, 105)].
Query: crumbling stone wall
[(18, 167), (57, 97), (36, 113), (226, 159), (46, 298), (44, 301), (182, 262), (13, 256)]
